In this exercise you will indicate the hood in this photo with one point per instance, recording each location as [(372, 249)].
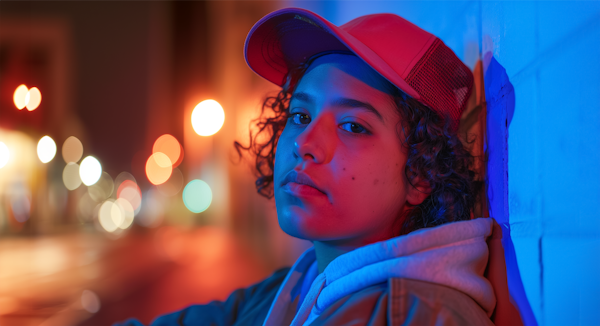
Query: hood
[(454, 255)]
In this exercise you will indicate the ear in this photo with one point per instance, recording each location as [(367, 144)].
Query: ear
[(417, 193)]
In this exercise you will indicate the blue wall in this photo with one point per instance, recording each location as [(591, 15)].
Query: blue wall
[(547, 172)]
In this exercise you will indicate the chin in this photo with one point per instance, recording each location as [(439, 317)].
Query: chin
[(294, 223), (295, 232), (299, 224)]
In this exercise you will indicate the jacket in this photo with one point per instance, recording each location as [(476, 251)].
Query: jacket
[(430, 276)]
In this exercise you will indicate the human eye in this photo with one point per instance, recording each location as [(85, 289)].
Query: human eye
[(299, 118), (354, 128)]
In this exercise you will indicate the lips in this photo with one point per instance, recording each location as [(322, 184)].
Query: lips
[(299, 183)]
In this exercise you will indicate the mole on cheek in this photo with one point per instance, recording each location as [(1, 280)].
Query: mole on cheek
[(344, 169), (352, 178)]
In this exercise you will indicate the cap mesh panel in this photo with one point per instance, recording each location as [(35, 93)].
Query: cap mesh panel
[(443, 81)]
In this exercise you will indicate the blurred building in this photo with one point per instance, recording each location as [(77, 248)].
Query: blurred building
[(113, 78), (118, 76)]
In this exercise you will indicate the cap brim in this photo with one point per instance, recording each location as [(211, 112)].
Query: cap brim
[(288, 37)]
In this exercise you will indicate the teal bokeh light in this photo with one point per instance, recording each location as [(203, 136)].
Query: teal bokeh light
[(197, 196)]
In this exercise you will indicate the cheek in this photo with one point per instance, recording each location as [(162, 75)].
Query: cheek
[(283, 152), (372, 186)]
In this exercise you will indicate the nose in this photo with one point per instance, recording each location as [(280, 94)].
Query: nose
[(317, 142)]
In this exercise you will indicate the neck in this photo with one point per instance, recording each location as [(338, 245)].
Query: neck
[(327, 252)]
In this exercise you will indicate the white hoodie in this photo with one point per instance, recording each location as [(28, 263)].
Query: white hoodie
[(453, 254)]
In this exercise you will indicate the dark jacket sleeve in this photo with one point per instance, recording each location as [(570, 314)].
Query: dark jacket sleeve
[(403, 301), (243, 307)]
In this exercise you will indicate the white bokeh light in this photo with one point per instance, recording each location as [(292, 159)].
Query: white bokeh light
[(33, 99), (208, 117), (71, 177), (110, 216), (90, 170), (19, 97), (24, 97), (128, 213), (115, 214), (46, 149)]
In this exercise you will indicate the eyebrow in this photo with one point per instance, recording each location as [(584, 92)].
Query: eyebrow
[(341, 102)]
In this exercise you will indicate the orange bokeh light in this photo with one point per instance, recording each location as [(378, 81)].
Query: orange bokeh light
[(158, 168), (169, 145)]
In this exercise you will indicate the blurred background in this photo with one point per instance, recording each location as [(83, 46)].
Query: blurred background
[(116, 200), (121, 194)]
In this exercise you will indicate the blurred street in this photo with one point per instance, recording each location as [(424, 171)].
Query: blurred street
[(47, 280)]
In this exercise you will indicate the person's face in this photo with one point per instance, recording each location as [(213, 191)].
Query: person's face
[(342, 135)]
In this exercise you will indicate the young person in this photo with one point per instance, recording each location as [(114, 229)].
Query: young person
[(363, 159)]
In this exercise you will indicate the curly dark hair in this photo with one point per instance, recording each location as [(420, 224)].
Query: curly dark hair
[(436, 156)]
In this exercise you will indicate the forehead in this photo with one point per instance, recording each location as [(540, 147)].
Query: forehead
[(336, 78), (345, 69)]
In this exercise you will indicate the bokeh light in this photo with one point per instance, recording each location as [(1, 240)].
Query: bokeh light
[(90, 170), (33, 99), (46, 149), (115, 214), (128, 213), (197, 196), (4, 154), (71, 177), (158, 168), (130, 191), (102, 189), (72, 150), (30, 98), (110, 216), (19, 97), (90, 301), (169, 145), (208, 117)]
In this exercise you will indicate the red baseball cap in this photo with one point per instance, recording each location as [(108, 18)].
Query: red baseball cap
[(415, 61)]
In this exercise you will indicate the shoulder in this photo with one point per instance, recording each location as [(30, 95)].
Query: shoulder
[(271, 283), (403, 301), (243, 307)]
